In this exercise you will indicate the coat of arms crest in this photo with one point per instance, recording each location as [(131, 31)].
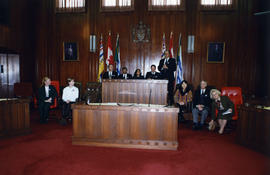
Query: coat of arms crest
[(141, 33)]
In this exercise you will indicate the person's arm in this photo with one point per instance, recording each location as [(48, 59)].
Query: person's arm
[(64, 95), (160, 66)]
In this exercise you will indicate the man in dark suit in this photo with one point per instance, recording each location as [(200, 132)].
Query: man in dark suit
[(110, 74), (167, 66), (201, 105), (124, 74), (153, 74), (46, 95)]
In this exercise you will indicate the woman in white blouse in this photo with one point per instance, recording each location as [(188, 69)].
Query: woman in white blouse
[(70, 95)]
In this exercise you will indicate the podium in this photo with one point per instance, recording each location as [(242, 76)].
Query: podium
[(14, 117), (135, 91)]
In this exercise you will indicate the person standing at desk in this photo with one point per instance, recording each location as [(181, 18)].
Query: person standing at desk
[(153, 74), (46, 95), (111, 74), (167, 66)]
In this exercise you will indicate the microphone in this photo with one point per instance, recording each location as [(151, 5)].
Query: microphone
[(149, 101)]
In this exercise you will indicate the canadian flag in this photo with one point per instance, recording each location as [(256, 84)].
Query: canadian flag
[(109, 59), (171, 46)]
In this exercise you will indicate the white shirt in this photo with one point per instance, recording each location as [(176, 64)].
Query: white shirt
[(47, 91), (70, 94), (202, 91), (125, 76)]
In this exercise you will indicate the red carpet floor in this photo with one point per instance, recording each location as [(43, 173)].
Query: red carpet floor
[(48, 150)]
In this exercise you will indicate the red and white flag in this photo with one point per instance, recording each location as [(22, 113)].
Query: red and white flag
[(109, 59), (171, 46)]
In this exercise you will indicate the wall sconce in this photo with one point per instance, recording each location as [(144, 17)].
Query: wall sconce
[(190, 47), (92, 43)]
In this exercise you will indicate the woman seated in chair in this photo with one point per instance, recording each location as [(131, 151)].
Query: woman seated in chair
[(46, 95), (222, 109), (137, 74), (183, 99), (70, 95)]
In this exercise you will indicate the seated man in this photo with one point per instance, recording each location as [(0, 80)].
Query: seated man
[(153, 74), (201, 105), (124, 74), (110, 74)]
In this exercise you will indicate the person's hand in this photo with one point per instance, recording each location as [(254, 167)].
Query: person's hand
[(165, 66), (67, 101), (230, 110), (181, 103), (49, 100)]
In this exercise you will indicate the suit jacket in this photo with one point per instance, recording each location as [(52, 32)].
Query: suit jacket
[(226, 103), (121, 76), (106, 75), (149, 75), (42, 94), (205, 98), (167, 73)]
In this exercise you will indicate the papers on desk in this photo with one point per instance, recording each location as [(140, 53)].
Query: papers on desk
[(266, 108), (6, 99), (227, 112)]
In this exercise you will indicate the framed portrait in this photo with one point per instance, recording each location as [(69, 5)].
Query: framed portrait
[(215, 52), (70, 51)]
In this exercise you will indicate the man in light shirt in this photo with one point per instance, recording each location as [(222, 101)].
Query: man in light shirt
[(70, 95)]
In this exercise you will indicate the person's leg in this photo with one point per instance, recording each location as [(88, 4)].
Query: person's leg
[(223, 124), (170, 93), (204, 116), (195, 115), (46, 111), (64, 110), (41, 112)]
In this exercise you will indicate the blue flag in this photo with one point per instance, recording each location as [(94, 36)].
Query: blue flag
[(179, 70)]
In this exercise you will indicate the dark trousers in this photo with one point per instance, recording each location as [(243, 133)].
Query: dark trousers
[(44, 108), (66, 111), (170, 92)]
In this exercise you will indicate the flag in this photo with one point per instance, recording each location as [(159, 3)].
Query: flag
[(171, 46), (179, 69), (101, 61), (117, 56), (163, 49), (109, 59)]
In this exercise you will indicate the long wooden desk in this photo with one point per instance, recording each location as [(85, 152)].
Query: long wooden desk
[(135, 91), (253, 128), (14, 117), (139, 126)]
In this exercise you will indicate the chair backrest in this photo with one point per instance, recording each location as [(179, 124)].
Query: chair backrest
[(57, 87), (79, 86), (93, 92), (235, 95)]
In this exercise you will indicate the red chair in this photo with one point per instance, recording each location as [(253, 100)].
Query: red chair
[(55, 104), (235, 95)]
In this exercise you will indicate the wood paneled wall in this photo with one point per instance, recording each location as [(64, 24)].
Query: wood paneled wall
[(237, 28), (19, 35)]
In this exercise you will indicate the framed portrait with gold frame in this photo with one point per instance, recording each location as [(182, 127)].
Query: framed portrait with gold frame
[(215, 52), (70, 51)]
